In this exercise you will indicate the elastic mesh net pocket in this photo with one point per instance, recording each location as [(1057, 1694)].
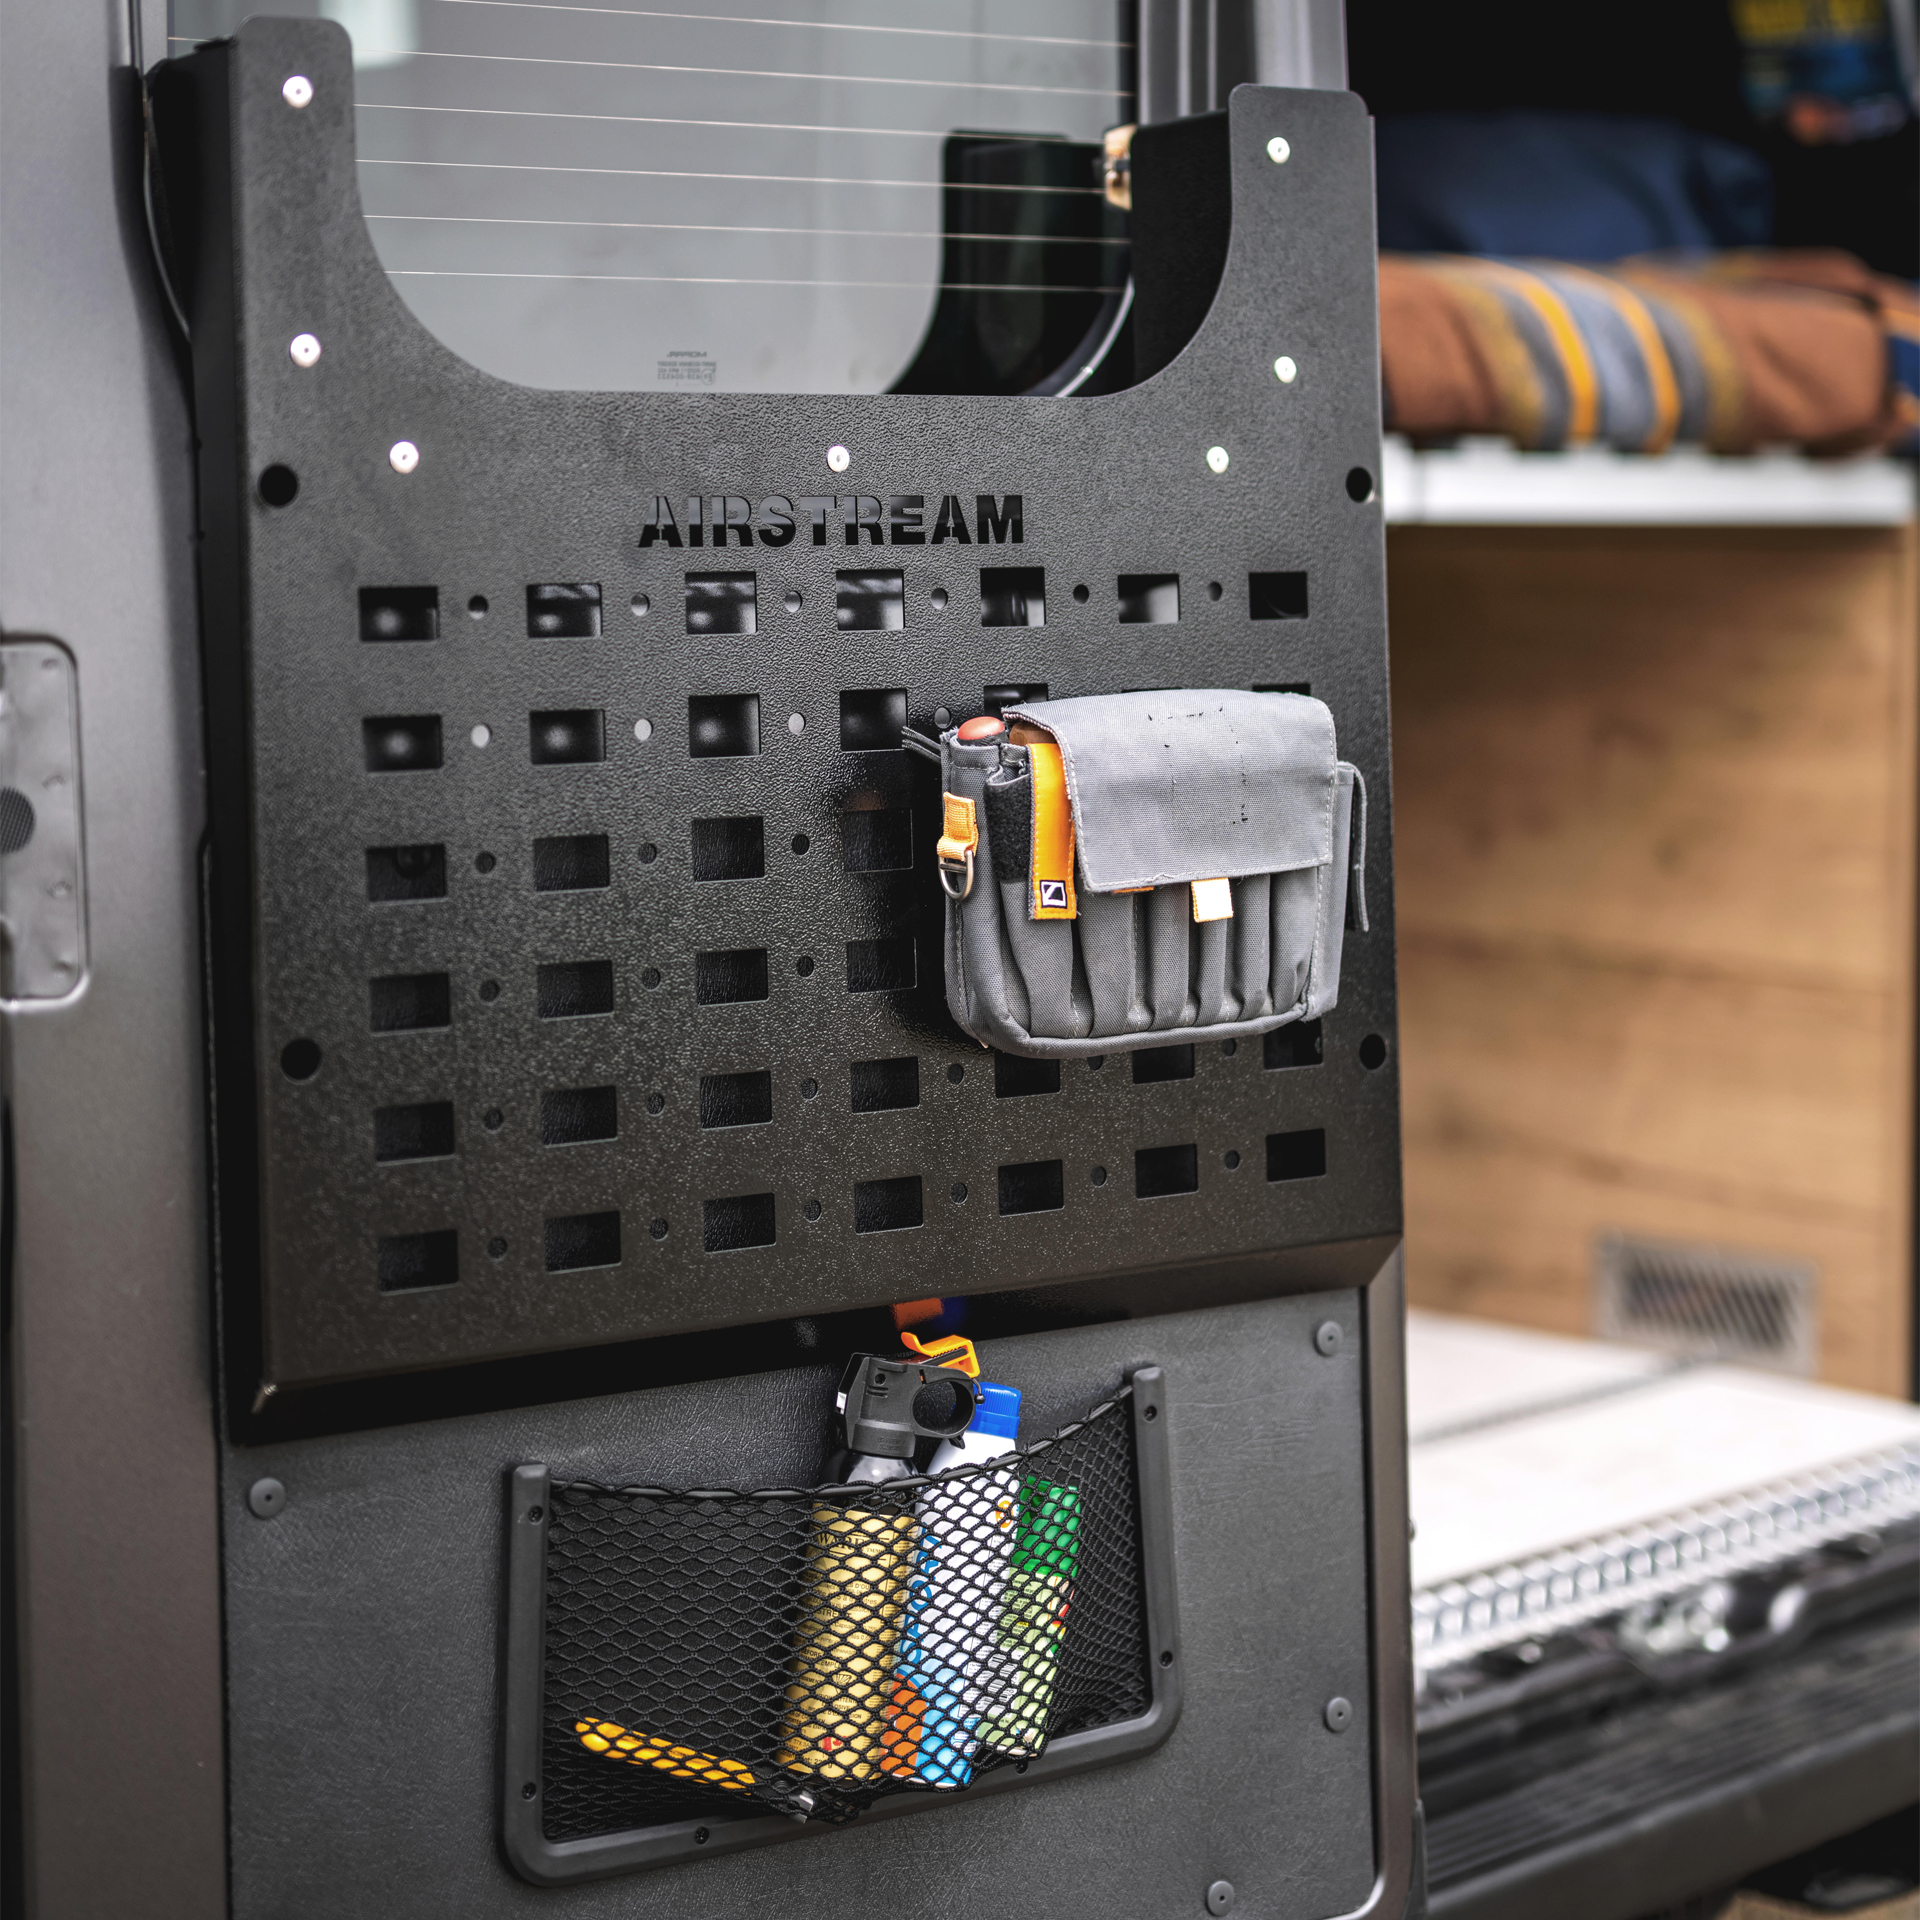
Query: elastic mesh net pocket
[(807, 1652)]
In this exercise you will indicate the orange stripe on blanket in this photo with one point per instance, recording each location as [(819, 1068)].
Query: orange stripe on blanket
[(1653, 352), (1583, 387)]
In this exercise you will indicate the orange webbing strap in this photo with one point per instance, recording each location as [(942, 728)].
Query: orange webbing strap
[(1051, 889), (959, 829), (943, 1350)]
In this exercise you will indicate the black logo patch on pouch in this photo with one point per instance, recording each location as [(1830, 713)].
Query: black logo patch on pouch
[(1053, 893)]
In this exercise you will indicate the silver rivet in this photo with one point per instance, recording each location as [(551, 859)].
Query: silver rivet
[(1339, 1714), (643, 729), (481, 734), (839, 459), (1284, 371), (1278, 150), (943, 716), (1220, 1897), (296, 90), (796, 723), (265, 1498), (1326, 1337), (1217, 459), (403, 456), (304, 348), (641, 606)]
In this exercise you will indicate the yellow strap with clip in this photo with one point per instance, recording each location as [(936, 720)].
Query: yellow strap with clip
[(943, 1350), (1051, 886)]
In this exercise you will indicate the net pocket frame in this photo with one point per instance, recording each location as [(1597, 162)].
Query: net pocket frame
[(692, 1603)]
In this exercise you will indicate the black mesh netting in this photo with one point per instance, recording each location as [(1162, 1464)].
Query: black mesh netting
[(807, 1652)]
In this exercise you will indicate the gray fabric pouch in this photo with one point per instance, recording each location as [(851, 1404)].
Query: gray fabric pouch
[(1203, 893)]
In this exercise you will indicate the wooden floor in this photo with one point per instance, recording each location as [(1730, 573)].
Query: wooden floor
[(1655, 817)]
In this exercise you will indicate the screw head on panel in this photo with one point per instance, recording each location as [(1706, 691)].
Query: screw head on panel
[(839, 459), (643, 730), (304, 349), (1220, 1897), (481, 735), (265, 1498), (1278, 151), (796, 723), (1326, 1338), (1338, 1714), (296, 90), (1285, 371), (1217, 459), (403, 456)]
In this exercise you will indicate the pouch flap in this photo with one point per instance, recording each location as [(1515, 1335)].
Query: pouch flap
[(1195, 784)]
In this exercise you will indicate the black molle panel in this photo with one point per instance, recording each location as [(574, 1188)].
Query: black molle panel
[(556, 612), (1301, 1155), (887, 1206), (328, 877), (401, 743), (870, 721), (1149, 599), (730, 849), (1013, 596), (406, 873), (723, 979), (576, 1240), (570, 862), (1015, 1076), (405, 1262), (567, 736), (420, 1132), (399, 613), (1033, 1186), (569, 1115), (1277, 596), (1298, 1045), (883, 1086), (723, 726), (876, 839), (873, 602), (407, 1002), (736, 1099), (1152, 1064), (1283, 686), (1163, 1170), (722, 603)]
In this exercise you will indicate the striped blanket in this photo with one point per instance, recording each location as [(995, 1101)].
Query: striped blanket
[(1731, 351)]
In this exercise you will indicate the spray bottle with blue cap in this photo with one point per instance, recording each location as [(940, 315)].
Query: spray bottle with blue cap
[(952, 1668)]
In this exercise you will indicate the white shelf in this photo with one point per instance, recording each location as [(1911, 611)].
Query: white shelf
[(1485, 482)]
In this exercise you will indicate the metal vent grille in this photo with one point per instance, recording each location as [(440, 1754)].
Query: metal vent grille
[(1704, 1303)]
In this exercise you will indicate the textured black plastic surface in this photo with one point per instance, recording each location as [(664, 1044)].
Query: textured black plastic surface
[(344, 855)]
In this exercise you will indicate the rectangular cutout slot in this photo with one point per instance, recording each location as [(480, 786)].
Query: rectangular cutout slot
[(406, 873), (888, 1206), (871, 719), (723, 726), (736, 1099), (1297, 1156), (870, 602), (1297, 1044), (569, 1115), (729, 849), (880, 966), (567, 736), (1277, 596), (1015, 1077), (1159, 1171), (399, 613), (409, 1002), (401, 743), (884, 1086), (1149, 599), (1285, 686), (557, 612), (423, 1132), (877, 839), (576, 1240), (410, 1262), (722, 603), (1013, 596), (1153, 1064), (1035, 1186), (998, 699), (568, 989), (745, 1220), (571, 862), (725, 978)]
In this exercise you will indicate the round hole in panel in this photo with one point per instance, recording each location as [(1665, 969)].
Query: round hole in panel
[(300, 1059)]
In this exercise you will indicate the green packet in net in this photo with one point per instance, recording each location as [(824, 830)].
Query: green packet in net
[(1033, 1618)]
